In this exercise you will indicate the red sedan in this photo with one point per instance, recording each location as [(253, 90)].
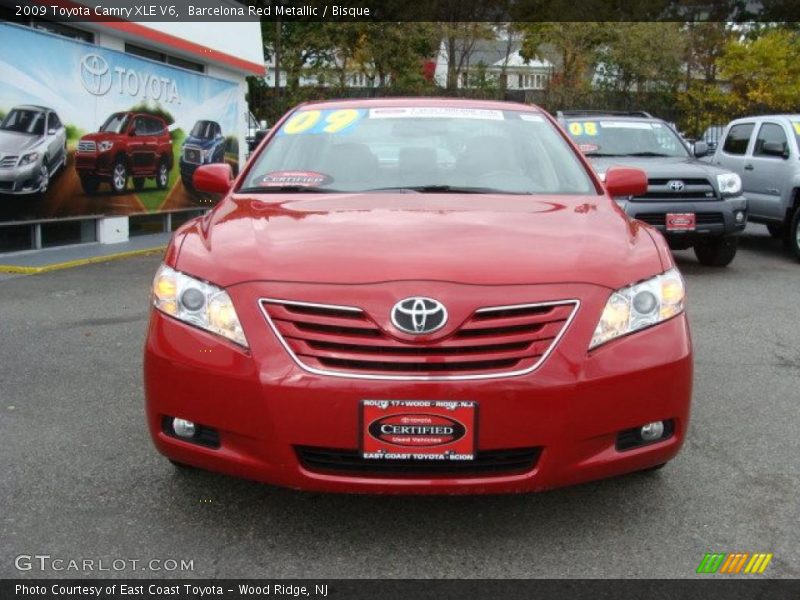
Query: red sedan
[(418, 296)]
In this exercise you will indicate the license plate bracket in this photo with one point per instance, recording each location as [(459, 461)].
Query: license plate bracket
[(435, 430), (681, 221)]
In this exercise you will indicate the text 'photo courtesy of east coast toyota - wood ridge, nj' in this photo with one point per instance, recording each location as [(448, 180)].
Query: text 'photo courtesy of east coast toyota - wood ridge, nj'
[(404, 300)]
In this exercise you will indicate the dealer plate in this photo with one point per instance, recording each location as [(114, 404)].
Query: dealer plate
[(418, 429), (680, 221)]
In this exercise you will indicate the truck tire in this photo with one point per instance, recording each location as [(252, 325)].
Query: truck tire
[(716, 252), (793, 235), (162, 175), (119, 176), (89, 185)]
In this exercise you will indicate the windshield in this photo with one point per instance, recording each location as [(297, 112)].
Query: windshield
[(116, 123), (625, 138), (203, 129), (24, 121), (422, 149)]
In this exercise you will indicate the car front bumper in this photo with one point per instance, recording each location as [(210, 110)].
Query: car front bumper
[(714, 217), (570, 410), (20, 180)]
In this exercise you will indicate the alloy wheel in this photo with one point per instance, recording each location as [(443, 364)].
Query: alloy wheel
[(120, 177), (44, 178)]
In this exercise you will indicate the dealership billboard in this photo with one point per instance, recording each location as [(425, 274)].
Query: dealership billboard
[(113, 133)]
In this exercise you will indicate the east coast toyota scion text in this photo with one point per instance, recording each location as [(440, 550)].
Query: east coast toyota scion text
[(418, 296)]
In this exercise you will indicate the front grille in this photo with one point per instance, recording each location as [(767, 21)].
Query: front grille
[(86, 146), (192, 155), (491, 462), (337, 340), (659, 219), (693, 189), (8, 162)]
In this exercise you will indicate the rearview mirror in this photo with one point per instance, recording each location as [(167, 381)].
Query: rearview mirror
[(700, 148), (775, 149), (215, 178), (624, 181)]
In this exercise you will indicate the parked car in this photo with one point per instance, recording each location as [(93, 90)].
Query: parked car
[(33, 147), (694, 204), (129, 144), (764, 152), (205, 144), (470, 313), (256, 131)]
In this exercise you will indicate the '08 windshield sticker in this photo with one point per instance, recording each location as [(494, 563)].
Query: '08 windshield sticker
[(796, 126), (340, 121)]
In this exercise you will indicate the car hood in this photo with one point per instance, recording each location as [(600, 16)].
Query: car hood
[(660, 167), (12, 142), (361, 238), (198, 141)]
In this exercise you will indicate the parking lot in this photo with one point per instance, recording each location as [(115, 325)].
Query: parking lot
[(79, 478)]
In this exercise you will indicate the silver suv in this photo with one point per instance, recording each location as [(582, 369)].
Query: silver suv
[(33, 146), (765, 152)]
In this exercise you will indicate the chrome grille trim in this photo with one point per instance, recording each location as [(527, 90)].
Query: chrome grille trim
[(87, 146), (387, 377)]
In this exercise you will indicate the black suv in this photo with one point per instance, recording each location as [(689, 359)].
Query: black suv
[(693, 203)]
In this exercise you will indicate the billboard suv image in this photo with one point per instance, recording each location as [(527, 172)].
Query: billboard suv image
[(128, 144), (204, 145)]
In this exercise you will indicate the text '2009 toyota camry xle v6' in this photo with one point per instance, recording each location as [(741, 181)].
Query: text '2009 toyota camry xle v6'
[(418, 296)]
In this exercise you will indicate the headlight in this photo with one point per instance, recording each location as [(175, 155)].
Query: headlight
[(730, 184), (196, 302), (104, 146), (28, 159), (640, 305)]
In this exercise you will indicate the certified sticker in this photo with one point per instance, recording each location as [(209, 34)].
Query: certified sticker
[(302, 178)]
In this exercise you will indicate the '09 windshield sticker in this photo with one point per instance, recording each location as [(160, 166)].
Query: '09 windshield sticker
[(796, 126), (338, 121), (301, 178), (577, 128)]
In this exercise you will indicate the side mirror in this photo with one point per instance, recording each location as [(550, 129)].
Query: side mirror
[(51, 132), (775, 149), (215, 178), (624, 181), (700, 148)]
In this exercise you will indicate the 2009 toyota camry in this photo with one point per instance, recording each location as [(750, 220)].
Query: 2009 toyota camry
[(418, 296)]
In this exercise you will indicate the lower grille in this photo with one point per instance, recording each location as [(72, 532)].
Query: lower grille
[(340, 340), (497, 462), (659, 219)]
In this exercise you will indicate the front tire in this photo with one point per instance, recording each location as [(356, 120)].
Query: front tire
[(119, 176), (717, 252), (162, 176), (793, 235), (44, 179)]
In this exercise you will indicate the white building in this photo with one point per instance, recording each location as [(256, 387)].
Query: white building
[(491, 58)]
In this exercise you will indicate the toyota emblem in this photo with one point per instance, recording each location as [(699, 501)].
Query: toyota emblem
[(675, 185), (419, 315)]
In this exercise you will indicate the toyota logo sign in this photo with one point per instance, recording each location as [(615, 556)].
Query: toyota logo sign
[(675, 185), (95, 74), (419, 315)]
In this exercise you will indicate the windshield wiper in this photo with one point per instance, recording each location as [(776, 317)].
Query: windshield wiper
[(655, 154), (287, 189), (443, 189), (601, 154)]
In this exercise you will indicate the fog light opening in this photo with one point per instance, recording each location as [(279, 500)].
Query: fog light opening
[(739, 216), (183, 428), (652, 431)]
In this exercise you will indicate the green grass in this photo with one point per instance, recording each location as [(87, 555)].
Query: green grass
[(150, 196)]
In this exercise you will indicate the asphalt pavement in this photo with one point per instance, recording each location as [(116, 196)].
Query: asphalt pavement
[(80, 480)]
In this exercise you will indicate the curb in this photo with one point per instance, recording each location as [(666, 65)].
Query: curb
[(79, 262)]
